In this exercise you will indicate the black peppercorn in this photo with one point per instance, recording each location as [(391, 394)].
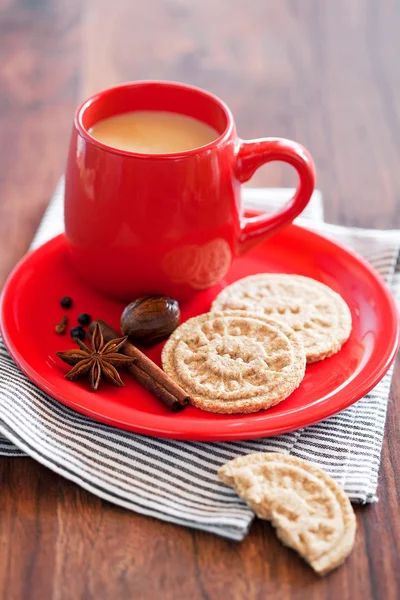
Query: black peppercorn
[(78, 332), (84, 319), (66, 302)]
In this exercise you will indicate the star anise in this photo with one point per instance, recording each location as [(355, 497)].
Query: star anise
[(99, 361)]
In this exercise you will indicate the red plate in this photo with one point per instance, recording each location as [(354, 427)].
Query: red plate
[(30, 308)]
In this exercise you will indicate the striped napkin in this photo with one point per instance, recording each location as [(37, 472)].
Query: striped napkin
[(176, 481)]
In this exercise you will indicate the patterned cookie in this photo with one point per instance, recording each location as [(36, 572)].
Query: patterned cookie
[(234, 362), (318, 314), (310, 511)]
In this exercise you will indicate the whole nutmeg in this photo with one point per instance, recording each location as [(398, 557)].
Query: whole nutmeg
[(150, 319)]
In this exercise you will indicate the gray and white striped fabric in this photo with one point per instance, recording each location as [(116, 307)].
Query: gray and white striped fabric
[(176, 481)]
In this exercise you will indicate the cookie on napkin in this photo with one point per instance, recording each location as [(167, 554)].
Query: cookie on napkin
[(310, 511), (234, 362), (319, 315)]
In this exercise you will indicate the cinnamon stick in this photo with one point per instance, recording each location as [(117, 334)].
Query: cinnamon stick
[(147, 373)]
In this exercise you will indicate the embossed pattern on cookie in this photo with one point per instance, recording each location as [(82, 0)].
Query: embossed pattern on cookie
[(310, 511), (319, 315), (234, 362)]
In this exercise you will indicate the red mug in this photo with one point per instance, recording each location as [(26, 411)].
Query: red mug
[(167, 223)]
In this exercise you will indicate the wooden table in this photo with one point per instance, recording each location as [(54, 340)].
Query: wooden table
[(323, 72)]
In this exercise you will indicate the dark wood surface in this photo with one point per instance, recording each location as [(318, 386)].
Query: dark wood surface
[(323, 72)]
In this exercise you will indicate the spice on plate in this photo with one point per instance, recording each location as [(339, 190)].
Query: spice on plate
[(78, 333), (66, 302), (148, 374), (150, 319), (61, 327), (100, 361), (84, 319)]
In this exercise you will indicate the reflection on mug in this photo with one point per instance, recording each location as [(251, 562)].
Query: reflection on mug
[(180, 264), (200, 267), (87, 175)]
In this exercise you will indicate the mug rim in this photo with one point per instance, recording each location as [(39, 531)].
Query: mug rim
[(220, 140)]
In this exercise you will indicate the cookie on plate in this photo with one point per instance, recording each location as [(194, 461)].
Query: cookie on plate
[(319, 315), (234, 362), (310, 511)]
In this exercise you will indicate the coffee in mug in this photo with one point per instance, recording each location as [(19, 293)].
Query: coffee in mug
[(153, 132)]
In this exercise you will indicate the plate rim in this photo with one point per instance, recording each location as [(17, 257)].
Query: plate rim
[(301, 417)]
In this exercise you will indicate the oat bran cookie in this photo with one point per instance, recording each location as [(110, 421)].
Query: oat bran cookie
[(234, 362), (310, 511), (319, 315)]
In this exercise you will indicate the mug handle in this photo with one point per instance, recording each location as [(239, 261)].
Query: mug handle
[(252, 154)]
